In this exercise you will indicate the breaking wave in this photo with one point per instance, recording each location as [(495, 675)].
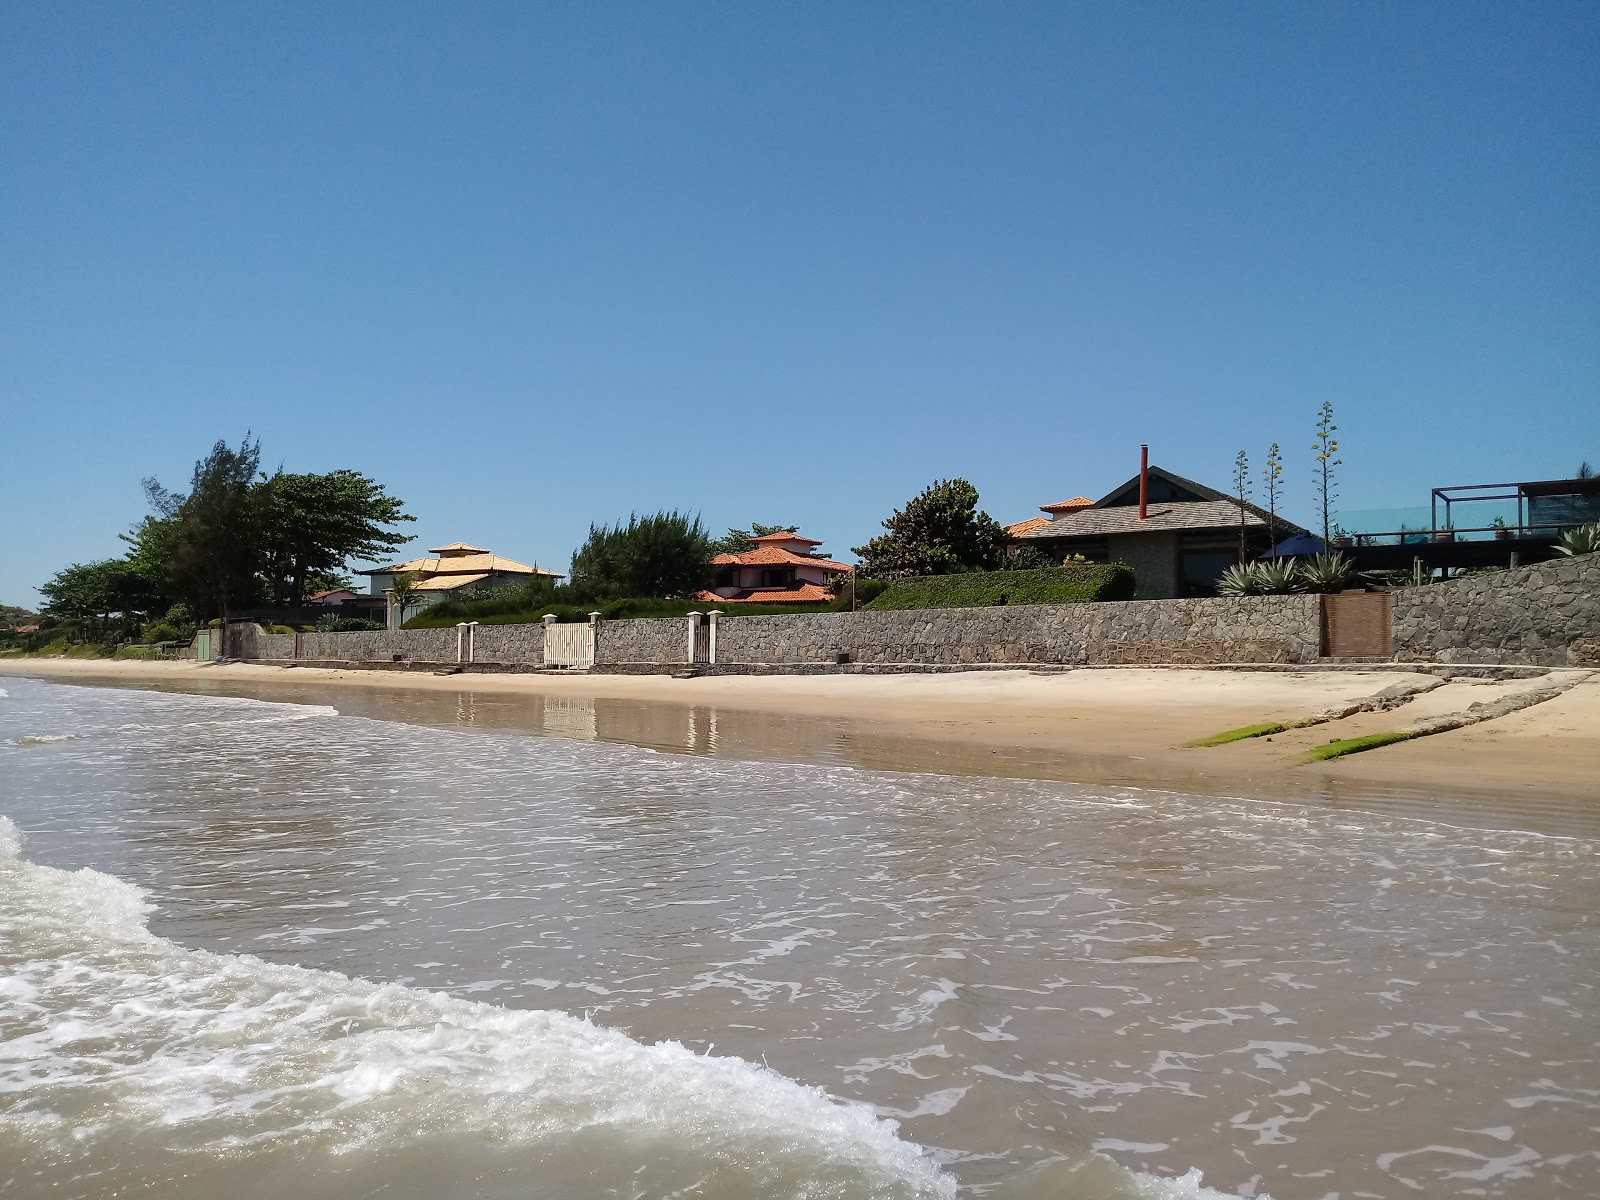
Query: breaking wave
[(132, 1064), (126, 1048)]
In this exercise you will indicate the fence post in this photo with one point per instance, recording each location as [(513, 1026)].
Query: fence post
[(549, 620), (711, 642), (472, 641), (694, 630), (594, 638)]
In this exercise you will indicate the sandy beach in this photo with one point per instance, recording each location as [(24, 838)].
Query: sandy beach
[(1101, 725)]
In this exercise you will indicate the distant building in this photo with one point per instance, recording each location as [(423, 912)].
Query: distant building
[(333, 597), (1022, 528), (1186, 538), (782, 569), (456, 567)]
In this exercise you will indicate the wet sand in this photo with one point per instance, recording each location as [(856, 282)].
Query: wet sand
[(1538, 769)]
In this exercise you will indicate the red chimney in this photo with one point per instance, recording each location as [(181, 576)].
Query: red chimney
[(1144, 479)]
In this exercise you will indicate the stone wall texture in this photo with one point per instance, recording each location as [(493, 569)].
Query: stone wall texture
[(1244, 629), (508, 644), (644, 640), (423, 645), (1543, 615)]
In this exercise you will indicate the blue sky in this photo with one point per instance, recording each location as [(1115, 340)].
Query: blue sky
[(537, 265)]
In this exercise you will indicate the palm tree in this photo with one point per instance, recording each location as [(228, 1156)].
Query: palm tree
[(403, 594)]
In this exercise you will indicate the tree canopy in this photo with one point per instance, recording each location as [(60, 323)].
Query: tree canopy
[(940, 531), (737, 541), (236, 537), (663, 555), (310, 525), (102, 599)]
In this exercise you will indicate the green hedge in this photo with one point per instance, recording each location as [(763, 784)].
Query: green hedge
[(1077, 584)]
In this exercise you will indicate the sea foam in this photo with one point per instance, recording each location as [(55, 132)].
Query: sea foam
[(125, 1051)]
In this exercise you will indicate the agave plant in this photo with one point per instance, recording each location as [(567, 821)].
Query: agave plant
[(1239, 580), (1585, 539), (1326, 572), (1278, 577)]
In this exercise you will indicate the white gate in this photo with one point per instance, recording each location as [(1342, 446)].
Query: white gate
[(568, 645)]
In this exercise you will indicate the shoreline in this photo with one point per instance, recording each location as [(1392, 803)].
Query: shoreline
[(1097, 726)]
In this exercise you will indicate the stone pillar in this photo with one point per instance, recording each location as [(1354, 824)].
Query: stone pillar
[(714, 614), (694, 628), (472, 641)]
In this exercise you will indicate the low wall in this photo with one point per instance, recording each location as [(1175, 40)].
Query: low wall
[(504, 643), (375, 645), (1544, 615), (1232, 629), (1547, 615), (646, 640)]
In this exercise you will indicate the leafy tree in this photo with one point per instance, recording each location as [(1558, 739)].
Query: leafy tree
[(737, 541), (660, 556), (101, 598), (310, 524), (212, 548), (1327, 448), (941, 531)]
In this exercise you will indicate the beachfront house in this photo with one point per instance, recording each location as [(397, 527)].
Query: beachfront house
[(782, 568), (452, 571), (1177, 535), (333, 597)]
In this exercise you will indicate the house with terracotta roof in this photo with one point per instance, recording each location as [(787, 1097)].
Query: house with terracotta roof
[(451, 570), (783, 568), (332, 597), (1023, 528), (1179, 536)]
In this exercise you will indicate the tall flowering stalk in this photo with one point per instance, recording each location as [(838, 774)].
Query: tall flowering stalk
[(1327, 448), (1241, 487)]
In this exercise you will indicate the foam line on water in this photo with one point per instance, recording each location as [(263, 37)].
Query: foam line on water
[(125, 1048), (115, 1034)]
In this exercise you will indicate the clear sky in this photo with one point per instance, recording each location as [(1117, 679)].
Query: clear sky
[(537, 265)]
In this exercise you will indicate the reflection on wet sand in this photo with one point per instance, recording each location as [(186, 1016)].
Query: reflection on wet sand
[(769, 736)]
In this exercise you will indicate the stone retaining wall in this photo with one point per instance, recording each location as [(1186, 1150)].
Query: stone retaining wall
[(1547, 614), (645, 640), (1244, 629), (507, 644), (368, 645)]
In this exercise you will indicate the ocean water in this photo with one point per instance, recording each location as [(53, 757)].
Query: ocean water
[(258, 949)]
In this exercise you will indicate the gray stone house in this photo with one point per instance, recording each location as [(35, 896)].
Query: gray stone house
[(1178, 542)]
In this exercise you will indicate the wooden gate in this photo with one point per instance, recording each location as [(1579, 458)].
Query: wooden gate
[(700, 652), (569, 645), (1356, 625), (202, 646)]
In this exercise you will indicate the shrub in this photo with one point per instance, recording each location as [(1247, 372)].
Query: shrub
[(1239, 580), (849, 587), (1585, 539), (163, 631), (1279, 577), (352, 625), (1326, 572), (981, 589)]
